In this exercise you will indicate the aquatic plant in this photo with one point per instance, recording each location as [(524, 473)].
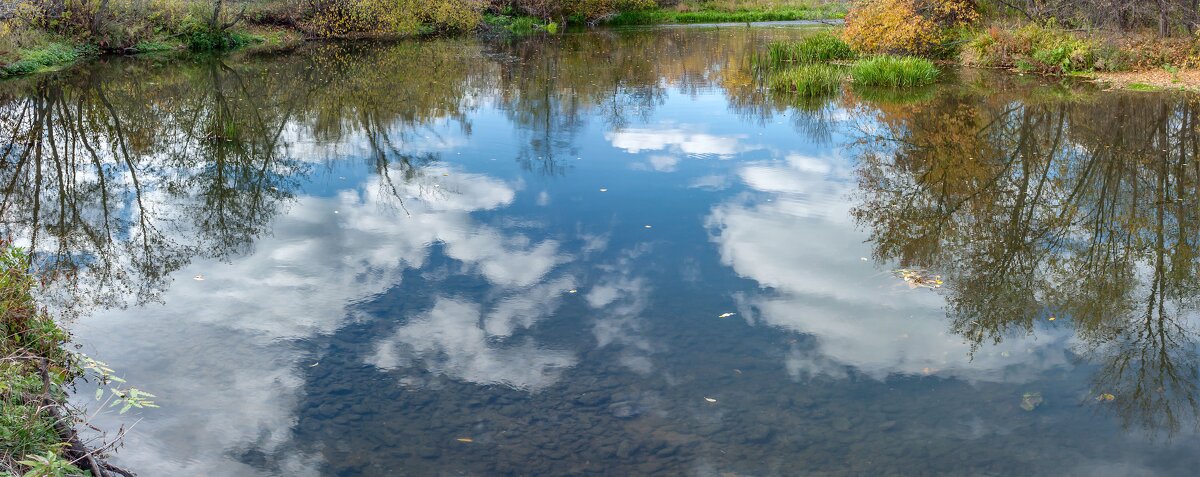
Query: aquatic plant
[(894, 71), (814, 49), (808, 80)]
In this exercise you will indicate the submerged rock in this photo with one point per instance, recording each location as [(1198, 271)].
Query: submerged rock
[(1031, 400)]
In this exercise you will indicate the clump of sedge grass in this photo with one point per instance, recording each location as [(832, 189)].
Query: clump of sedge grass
[(808, 80), (894, 71), (818, 48)]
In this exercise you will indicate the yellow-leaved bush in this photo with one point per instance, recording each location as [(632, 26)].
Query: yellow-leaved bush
[(917, 27)]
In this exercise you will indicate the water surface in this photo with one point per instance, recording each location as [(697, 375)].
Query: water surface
[(612, 253)]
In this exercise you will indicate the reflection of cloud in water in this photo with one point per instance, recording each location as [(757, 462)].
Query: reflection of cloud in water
[(449, 340), (225, 342), (619, 299), (710, 182), (803, 246), (657, 163), (682, 141)]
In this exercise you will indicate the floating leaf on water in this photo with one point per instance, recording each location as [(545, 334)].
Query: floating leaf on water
[(919, 278), (725, 315), (1031, 400), (711, 400), (198, 278), (99, 393), (465, 439), (1051, 317), (1106, 397)]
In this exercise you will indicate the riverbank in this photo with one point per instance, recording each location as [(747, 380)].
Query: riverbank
[(37, 426), (27, 46), (34, 369)]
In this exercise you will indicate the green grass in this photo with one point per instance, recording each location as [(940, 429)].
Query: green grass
[(808, 80), (1142, 87), (52, 55), (664, 17), (819, 48), (520, 24), (152, 46), (894, 71), (28, 338)]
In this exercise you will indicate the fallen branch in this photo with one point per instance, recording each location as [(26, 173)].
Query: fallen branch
[(78, 453)]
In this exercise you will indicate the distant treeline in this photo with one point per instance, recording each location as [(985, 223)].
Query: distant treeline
[(115, 24), (1167, 16)]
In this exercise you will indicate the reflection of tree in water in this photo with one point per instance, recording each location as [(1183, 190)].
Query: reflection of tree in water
[(1035, 209), (114, 195), (116, 180), (550, 85)]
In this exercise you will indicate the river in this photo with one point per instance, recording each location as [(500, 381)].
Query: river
[(613, 253)]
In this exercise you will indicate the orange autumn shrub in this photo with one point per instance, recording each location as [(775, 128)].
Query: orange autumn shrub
[(917, 27)]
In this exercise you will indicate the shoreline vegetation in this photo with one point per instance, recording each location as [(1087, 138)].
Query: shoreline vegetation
[(1134, 48), (37, 427), (47, 35)]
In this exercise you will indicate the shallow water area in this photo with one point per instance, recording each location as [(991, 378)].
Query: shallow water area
[(614, 253)]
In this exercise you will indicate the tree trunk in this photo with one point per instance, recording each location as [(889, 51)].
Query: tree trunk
[(98, 17), (215, 22), (1162, 19)]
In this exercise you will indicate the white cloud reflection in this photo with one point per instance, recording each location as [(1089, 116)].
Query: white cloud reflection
[(678, 141), (228, 342), (449, 340), (798, 242)]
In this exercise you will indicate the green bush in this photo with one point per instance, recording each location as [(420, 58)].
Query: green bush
[(814, 49), (1040, 49), (199, 37), (808, 80), (894, 71)]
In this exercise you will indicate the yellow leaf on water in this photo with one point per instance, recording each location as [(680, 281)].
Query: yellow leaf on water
[(465, 439)]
